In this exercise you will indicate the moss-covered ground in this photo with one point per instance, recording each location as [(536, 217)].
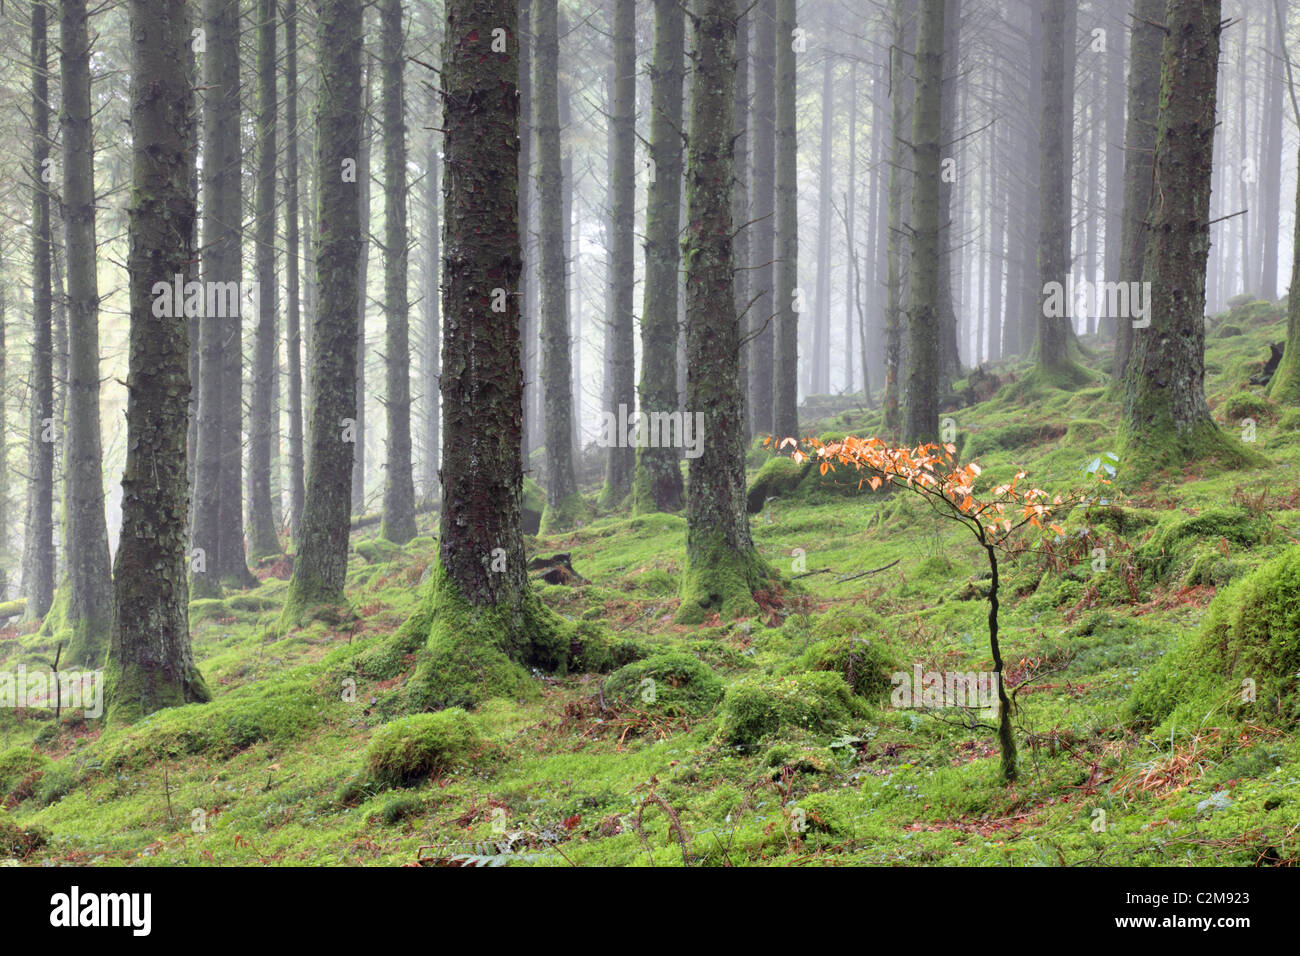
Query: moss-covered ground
[(768, 739)]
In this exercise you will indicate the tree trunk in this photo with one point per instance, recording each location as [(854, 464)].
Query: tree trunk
[(763, 271), (1270, 178), (293, 319), (38, 539), (562, 501), (1139, 157), (320, 566), (89, 567), (363, 283), (262, 532), (819, 365), (432, 319), (1166, 420), (620, 365), (399, 484), (740, 210), (658, 484), (785, 360), (1113, 162), (904, 12), (150, 664), (949, 352), (722, 566), (923, 324)]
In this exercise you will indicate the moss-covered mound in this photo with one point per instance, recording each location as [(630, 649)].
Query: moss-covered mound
[(776, 479), (864, 664), (412, 749), (532, 506), (1245, 658), (1178, 545), (672, 683), (759, 707)]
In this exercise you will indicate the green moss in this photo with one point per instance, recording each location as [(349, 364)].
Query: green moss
[(671, 683), (825, 813), (778, 478), (593, 650), (16, 763), (572, 512), (532, 506), (759, 707), (474, 653), (797, 758), (1167, 551), (411, 749), (865, 665), (722, 582), (1008, 438), (1251, 633), (378, 550), (18, 840), (847, 622), (1244, 405), (132, 692), (397, 808)]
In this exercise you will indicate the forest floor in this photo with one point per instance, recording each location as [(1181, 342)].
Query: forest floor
[(564, 775)]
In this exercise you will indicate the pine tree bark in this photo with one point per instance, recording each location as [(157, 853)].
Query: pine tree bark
[(819, 376), (363, 289), (38, 539), (904, 15), (740, 210), (658, 482), (562, 488), (398, 524), (432, 320), (785, 359), (620, 364), (262, 531), (86, 547), (320, 567), (1166, 419), (921, 423), (1145, 41), (949, 352), (293, 314), (763, 255), (722, 565), (1116, 98), (150, 663)]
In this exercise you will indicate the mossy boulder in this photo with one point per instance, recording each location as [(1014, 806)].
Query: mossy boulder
[(671, 683), (1245, 658), (412, 749), (760, 707), (776, 479)]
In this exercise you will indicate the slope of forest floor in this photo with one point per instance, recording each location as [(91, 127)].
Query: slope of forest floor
[(569, 772)]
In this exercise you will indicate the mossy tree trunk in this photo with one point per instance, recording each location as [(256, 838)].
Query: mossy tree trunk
[(399, 484), (1145, 41), (432, 320), (922, 416), (658, 479), (762, 252), (722, 565), (86, 533), (482, 374), (293, 315), (1166, 420), (150, 663), (219, 393), (263, 539), (38, 536), (1055, 161), (561, 485), (620, 364), (320, 567), (1285, 386), (785, 359)]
